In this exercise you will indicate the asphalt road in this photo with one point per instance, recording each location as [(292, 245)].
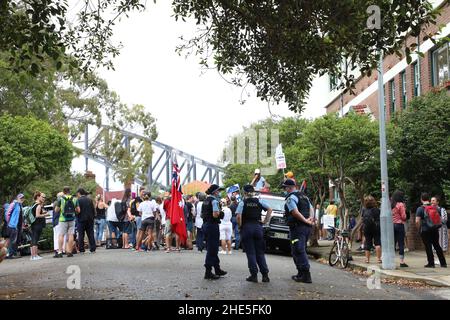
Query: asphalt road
[(123, 274)]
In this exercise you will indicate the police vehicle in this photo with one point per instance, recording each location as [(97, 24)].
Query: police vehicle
[(276, 233)]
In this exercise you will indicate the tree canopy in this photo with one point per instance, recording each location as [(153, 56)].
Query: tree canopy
[(69, 102), (279, 46), (30, 149), (422, 144), (276, 46)]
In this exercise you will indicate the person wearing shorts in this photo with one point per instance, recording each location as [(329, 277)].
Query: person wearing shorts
[(226, 229), (66, 225), (147, 208)]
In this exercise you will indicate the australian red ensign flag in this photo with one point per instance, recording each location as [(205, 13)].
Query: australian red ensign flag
[(177, 205)]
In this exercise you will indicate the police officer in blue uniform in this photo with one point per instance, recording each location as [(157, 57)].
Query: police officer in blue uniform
[(211, 214), (249, 218), (300, 221)]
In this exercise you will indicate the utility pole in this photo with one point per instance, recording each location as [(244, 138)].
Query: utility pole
[(387, 228)]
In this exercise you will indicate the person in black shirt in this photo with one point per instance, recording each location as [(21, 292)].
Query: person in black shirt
[(85, 220), (38, 225), (430, 236), (371, 227)]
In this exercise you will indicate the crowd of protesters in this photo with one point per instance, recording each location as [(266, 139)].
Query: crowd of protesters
[(142, 223)]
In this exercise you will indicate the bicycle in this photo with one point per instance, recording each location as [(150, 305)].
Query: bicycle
[(340, 251)]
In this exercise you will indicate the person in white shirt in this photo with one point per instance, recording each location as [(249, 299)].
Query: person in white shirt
[(200, 239), (113, 222), (147, 208), (162, 218), (226, 229)]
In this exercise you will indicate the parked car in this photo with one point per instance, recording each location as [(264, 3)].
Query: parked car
[(276, 233)]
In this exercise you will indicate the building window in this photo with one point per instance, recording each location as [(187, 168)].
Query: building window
[(333, 82), (440, 59), (416, 78), (392, 92), (404, 92)]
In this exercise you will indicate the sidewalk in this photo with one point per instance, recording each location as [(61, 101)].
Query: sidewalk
[(415, 260)]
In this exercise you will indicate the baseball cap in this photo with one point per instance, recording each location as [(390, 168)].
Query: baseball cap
[(289, 174)]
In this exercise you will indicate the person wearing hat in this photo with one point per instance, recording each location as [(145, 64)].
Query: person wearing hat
[(252, 235), (211, 219), (14, 219), (290, 175), (258, 181), (300, 221)]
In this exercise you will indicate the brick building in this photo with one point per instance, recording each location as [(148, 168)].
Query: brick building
[(402, 82)]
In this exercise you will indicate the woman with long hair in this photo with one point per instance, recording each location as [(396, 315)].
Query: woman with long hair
[(399, 219), (100, 218), (38, 225)]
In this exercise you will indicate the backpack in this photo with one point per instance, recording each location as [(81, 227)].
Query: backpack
[(134, 207), (69, 207), (8, 211), (120, 212), (28, 214), (369, 219), (432, 217)]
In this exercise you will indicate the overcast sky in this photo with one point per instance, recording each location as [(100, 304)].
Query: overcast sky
[(196, 112)]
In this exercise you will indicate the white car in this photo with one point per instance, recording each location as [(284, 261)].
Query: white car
[(276, 232)]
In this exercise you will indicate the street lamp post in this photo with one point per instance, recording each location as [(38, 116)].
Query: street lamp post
[(387, 228)]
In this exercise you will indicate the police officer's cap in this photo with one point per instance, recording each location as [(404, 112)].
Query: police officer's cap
[(213, 188), (249, 188), (288, 183)]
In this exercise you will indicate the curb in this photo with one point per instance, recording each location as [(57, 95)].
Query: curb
[(387, 274)]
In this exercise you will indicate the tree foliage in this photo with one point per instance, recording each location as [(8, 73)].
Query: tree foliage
[(279, 46), (54, 184), (423, 143), (69, 102), (30, 149), (34, 30)]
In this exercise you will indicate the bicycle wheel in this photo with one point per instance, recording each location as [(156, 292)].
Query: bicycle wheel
[(345, 253), (333, 258)]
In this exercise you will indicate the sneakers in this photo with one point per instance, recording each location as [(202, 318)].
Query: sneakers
[(429, 266), (222, 252), (252, 278), (229, 252), (403, 265), (69, 255), (58, 255), (36, 258)]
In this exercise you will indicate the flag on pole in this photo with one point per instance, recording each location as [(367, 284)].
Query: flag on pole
[(177, 205), (303, 186)]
